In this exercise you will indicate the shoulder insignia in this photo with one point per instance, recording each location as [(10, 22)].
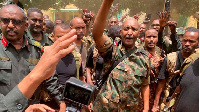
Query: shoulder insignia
[(4, 58), (36, 43), (4, 41)]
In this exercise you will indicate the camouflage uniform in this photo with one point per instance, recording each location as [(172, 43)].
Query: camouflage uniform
[(80, 56), (156, 62), (139, 43), (88, 42), (121, 91)]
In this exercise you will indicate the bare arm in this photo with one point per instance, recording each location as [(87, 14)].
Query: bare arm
[(88, 75), (145, 96), (159, 89), (100, 23)]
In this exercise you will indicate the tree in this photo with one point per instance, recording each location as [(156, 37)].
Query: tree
[(182, 7)]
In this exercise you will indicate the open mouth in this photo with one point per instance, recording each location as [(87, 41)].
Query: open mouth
[(129, 38), (11, 33)]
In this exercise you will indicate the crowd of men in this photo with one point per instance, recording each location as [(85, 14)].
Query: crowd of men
[(135, 68)]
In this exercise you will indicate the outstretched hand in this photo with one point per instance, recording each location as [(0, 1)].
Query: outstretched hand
[(52, 54), (164, 16)]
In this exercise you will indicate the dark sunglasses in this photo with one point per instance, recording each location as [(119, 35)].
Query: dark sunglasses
[(15, 22)]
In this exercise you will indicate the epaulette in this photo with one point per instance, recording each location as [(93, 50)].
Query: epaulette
[(48, 35), (36, 44)]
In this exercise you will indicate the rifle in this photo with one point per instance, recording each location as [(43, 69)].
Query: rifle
[(170, 94), (167, 9), (169, 107)]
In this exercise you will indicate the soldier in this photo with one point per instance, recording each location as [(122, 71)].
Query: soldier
[(94, 67), (35, 29), (49, 26), (18, 56), (113, 21), (156, 58), (130, 76), (58, 20), (188, 99), (172, 63), (80, 51), (142, 32)]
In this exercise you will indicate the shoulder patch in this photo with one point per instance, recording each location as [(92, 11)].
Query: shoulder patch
[(37, 43), (4, 58)]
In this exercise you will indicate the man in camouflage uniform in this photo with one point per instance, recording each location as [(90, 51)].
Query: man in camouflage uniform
[(18, 56), (35, 29), (80, 51), (121, 91), (94, 67), (156, 58), (170, 69)]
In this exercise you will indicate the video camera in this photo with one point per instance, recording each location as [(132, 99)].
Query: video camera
[(77, 94)]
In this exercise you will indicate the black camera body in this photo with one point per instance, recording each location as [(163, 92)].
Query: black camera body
[(78, 93)]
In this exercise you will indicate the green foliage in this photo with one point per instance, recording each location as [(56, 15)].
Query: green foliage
[(45, 4), (183, 7)]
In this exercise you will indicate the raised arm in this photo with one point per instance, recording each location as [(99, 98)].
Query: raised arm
[(100, 23)]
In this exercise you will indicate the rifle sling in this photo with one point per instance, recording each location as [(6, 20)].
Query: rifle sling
[(116, 63)]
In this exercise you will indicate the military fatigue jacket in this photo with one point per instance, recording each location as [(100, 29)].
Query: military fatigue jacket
[(46, 41), (88, 42), (80, 56), (14, 66), (121, 91)]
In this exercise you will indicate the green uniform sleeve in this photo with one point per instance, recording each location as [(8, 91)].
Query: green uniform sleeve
[(54, 88), (106, 48), (14, 101)]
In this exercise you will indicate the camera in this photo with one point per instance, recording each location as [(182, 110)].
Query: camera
[(77, 94)]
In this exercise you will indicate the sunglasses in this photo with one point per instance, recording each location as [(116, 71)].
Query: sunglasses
[(15, 22)]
